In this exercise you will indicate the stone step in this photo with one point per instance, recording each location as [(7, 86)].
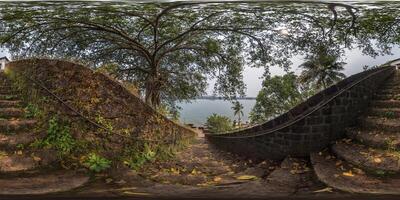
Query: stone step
[(388, 88), (372, 160), (11, 112), (58, 181), (6, 92), (388, 92), (11, 126), (376, 139), (385, 103), (8, 97), (11, 142), (383, 124), (20, 161), (340, 175), (385, 112), (386, 97)]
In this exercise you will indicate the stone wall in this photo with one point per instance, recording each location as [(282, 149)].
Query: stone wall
[(311, 125), (102, 100)]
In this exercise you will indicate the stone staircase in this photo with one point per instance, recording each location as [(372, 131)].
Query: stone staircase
[(24, 170), (368, 160)]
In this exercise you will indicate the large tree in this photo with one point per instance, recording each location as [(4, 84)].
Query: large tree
[(171, 50), (322, 69), (277, 95)]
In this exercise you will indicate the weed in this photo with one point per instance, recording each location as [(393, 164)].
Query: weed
[(380, 172), (137, 159), (108, 125), (389, 114), (9, 97), (391, 144), (32, 111), (20, 146), (96, 163)]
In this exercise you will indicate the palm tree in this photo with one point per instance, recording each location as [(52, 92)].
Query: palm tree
[(237, 110), (322, 69)]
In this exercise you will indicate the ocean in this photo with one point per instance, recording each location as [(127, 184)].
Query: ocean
[(198, 110)]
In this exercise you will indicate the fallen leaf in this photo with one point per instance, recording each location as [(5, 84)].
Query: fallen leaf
[(136, 193), (19, 152), (377, 160), (358, 171), (328, 189), (246, 177), (120, 182), (109, 180), (350, 174), (126, 188), (37, 159), (217, 179), (336, 175)]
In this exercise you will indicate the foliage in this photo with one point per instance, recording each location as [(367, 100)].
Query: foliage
[(170, 112), (171, 49), (58, 137), (108, 69), (96, 163), (277, 95), (238, 110), (138, 158), (32, 111), (322, 69), (218, 124)]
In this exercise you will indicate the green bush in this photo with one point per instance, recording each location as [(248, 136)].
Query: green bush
[(218, 123), (96, 163)]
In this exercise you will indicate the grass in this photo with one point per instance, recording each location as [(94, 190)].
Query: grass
[(389, 114), (31, 111)]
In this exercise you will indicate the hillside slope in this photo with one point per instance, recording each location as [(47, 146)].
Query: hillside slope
[(102, 115)]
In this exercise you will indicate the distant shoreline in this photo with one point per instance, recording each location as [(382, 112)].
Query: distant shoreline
[(222, 98)]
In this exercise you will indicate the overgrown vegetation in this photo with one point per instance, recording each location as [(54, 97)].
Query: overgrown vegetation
[(58, 137), (78, 143), (136, 159)]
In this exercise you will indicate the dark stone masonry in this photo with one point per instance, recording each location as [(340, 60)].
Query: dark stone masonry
[(311, 125)]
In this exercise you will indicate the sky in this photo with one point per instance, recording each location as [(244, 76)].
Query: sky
[(354, 59)]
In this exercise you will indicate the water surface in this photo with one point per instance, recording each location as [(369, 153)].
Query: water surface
[(198, 110)]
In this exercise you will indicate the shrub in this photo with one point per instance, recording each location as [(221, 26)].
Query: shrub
[(96, 163), (217, 123)]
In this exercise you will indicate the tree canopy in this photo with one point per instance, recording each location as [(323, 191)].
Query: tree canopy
[(170, 50), (322, 69), (278, 95)]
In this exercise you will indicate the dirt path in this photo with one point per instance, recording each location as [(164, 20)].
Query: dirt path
[(201, 171)]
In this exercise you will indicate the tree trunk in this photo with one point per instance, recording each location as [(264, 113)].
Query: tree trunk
[(153, 88), (239, 121)]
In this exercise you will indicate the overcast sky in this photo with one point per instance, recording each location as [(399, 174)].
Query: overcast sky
[(252, 76), (354, 59)]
